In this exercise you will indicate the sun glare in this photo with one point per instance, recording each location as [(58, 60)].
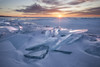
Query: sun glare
[(59, 15)]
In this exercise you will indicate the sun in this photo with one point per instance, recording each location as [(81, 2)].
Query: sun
[(59, 15)]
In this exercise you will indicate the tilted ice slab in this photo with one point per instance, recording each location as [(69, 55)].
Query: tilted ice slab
[(10, 28)]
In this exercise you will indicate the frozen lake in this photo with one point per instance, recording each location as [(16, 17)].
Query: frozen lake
[(92, 24), (49, 42)]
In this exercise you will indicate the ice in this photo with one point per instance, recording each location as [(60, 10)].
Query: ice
[(94, 49), (39, 42), (64, 52), (68, 39), (12, 57), (52, 45), (4, 33), (55, 31), (37, 52), (60, 42), (10, 28), (48, 33), (78, 31)]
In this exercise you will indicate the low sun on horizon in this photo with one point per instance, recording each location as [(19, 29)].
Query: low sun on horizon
[(60, 16)]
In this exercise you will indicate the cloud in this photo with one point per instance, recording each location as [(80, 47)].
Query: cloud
[(36, 8), (53, 2), (91, 11), (76, 2), (59, 7)]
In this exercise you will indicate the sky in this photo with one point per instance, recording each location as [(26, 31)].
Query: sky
[(50, 8)]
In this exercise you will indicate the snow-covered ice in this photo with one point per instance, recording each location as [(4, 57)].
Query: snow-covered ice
[(40, 42)]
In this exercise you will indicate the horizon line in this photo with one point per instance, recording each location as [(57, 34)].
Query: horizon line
[(53, 17)]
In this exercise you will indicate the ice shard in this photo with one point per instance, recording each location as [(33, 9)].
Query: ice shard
[(37, 52), (64, 52), (68, 39)]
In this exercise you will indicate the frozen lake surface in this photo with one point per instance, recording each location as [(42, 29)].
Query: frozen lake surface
[(41, 42)]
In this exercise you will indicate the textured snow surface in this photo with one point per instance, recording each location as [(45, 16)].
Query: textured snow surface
[(31, 42)]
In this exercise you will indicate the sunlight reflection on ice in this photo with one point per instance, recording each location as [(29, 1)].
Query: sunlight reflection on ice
[(78, 31), (10, 28)]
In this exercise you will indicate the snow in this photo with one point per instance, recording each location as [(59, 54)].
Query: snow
[(34, 44), (18, 40), (6, 46)]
